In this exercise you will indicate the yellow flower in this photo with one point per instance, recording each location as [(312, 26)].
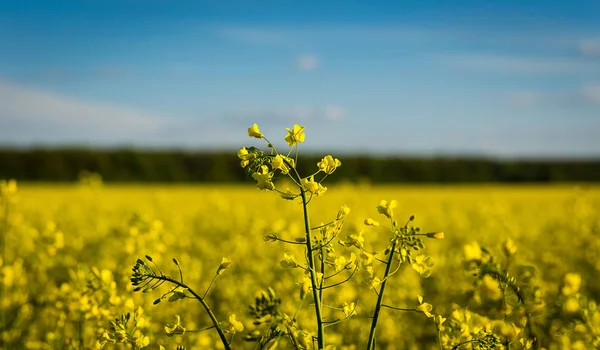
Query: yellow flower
[(509, 247), (436, 235), (245, 156), (386, 208), (263, 178), (310, 185), (356, 240), (571, 305), (424, 307), (288, 261), (472, 252), (305, 287), (571, 284), (329, 164), (367, 258), (343, 212), (491, 288), (175, 328), (233, 326), (348, 309), (339, 263), (278, 162), (371, 222), (422, 264), (254, 132), (8, 188), (295, 135), (225, 263), (288, 194)]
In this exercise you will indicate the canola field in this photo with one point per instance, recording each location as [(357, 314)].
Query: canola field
[(68, 253)]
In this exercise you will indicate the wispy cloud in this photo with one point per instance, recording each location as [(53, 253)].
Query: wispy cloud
[(40, 109), (334, 113), (519, 64), (331, 113), (591, 93), (590, 47), (307, 62)]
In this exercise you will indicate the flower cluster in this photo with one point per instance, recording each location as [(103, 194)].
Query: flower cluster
[(265, 168)]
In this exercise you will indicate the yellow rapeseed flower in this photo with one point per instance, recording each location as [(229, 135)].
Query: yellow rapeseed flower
[(255, 132), (263, 178), (279, 162), (310, 185), (174, 328), (386, 208), (295, 135), (329, 164), (245, 156)]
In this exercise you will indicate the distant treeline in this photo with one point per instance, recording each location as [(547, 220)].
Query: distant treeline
[(182, 166)]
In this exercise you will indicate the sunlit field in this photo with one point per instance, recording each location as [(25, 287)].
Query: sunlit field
[(69, 250)]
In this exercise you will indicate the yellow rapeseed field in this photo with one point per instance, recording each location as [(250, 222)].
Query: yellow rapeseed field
[(69, 250)]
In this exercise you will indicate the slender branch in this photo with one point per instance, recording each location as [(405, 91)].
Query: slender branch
[(371, 342), (210, 285), (397, 308), (212, 316), (342, 282), (311, 261)]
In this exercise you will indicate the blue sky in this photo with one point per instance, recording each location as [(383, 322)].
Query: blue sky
[(501, 78)]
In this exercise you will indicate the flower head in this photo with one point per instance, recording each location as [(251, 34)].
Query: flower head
[(245, 156), (424, 307), (422, 264), (288, 261), (343, 212), (263, 178), (295, 135), (254, 132), (174, 328), (225, 263), (386, 208), (571, 283), (233, 326), (279, 162), (371, 222), (310, 185), (329, 164), (472, 252)]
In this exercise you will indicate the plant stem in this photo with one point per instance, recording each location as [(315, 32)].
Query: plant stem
[(313, 276), (371, 341), (212, 316), (310, 257)]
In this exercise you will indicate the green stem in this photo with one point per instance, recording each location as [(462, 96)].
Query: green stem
[(371, 341), (313, 275), (311, 259), (212, 316)]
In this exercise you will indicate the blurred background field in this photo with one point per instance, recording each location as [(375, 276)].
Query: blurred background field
[(58, 235), (120, 122)]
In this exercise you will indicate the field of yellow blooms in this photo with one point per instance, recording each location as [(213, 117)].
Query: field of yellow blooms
[(68, 253)]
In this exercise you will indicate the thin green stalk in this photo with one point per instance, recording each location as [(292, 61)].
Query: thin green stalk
[(212, 316), (371, 341), (313, 275), (311, 262)]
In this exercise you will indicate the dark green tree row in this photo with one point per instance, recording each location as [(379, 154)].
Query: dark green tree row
[(180, 166)]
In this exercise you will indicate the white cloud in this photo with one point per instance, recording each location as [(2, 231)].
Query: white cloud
[(590, 47), (519, 64), (293, 114), (307, 62), (525, 98), (591, 93), (32, 108), (334, 113)]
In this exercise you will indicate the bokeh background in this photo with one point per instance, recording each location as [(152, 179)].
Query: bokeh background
[(163, 91)]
